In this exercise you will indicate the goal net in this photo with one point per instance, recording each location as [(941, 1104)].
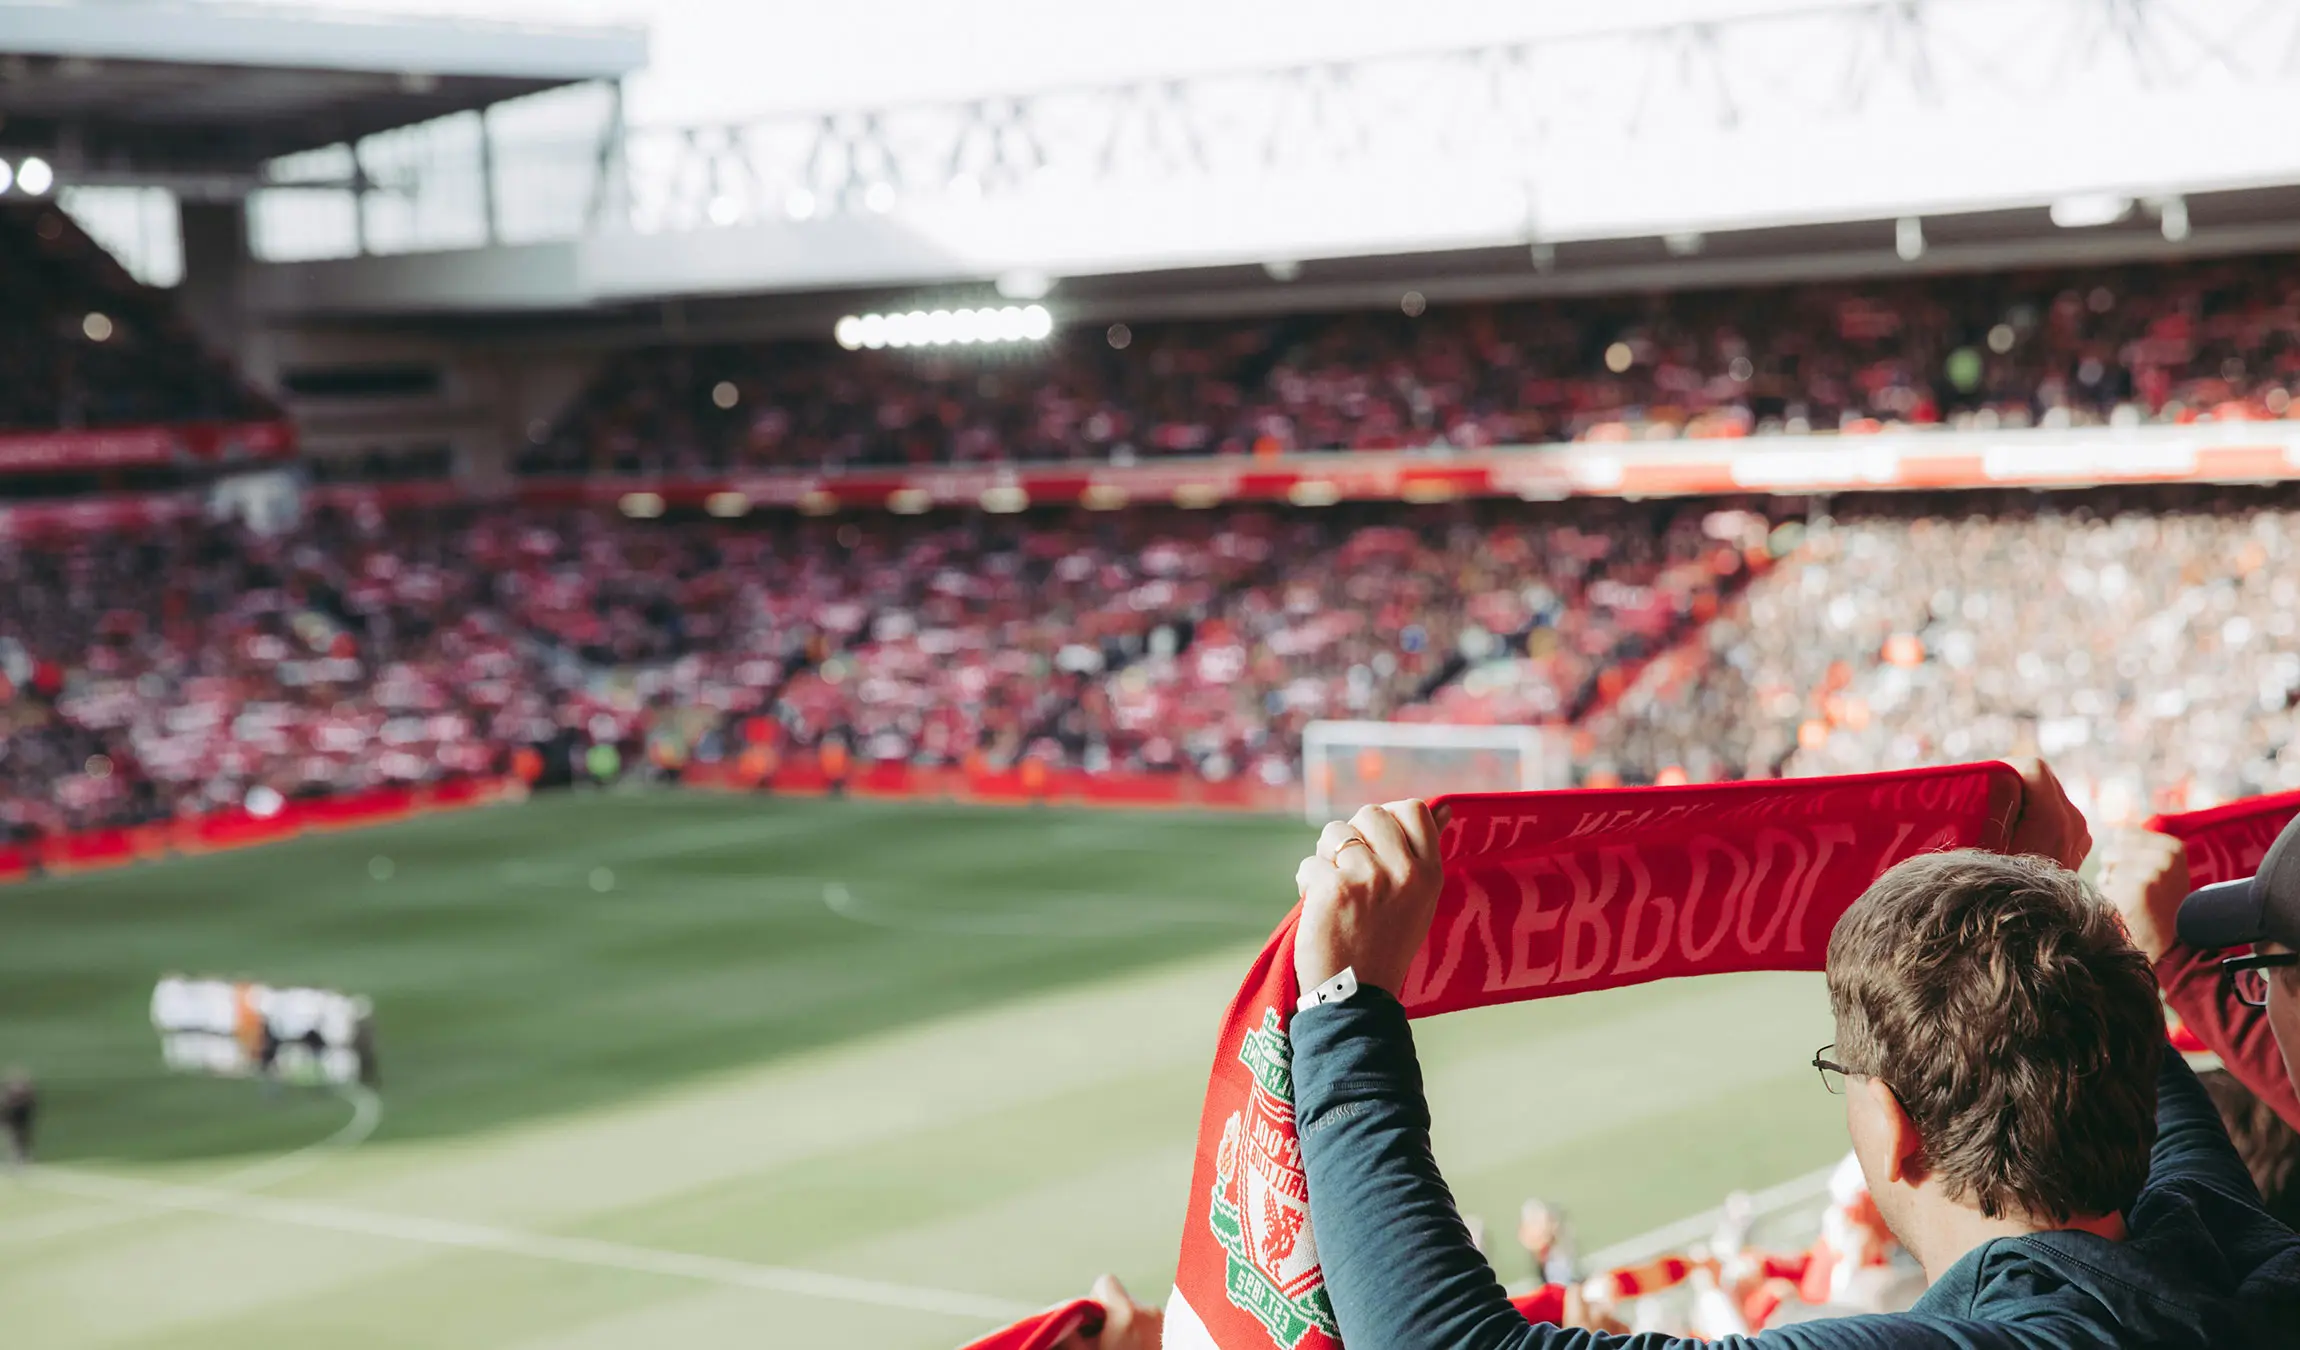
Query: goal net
[(1346, 765)]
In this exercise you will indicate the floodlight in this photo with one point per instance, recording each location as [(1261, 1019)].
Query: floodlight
[(2085, 210)]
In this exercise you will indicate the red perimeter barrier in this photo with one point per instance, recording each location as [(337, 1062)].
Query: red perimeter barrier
[(803, 775), (798, 776), (117, 846)]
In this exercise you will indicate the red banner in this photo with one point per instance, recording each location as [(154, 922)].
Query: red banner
[(1600, 467), (96, 515), (2228, 841), (1546, 893), (144, 447)]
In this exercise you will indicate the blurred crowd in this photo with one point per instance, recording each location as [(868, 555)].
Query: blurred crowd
[(2143, 640), (2062, 347), (82, 344), (2146, 641), (183, 670)]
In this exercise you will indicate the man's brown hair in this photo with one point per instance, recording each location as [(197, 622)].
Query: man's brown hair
[(2001, 1002)]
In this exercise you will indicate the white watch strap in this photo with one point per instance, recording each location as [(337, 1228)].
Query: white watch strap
[(1335, 990)]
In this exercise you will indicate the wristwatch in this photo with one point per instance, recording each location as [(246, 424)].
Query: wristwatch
[(1335, 990)]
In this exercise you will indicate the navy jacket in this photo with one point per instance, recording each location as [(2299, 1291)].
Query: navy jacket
[(2203, 1264)]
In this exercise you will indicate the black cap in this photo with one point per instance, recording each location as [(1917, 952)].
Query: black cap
[(2264, 907)]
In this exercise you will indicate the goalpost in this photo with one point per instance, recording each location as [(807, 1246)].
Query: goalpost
[(1346, 765)]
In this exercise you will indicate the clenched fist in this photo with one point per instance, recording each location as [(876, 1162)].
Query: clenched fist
[(2049, 825), (1367, 896)]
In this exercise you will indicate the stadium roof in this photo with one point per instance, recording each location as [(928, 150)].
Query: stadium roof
[(138, 89)]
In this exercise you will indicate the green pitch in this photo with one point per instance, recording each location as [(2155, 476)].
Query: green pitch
[(700, 1071)]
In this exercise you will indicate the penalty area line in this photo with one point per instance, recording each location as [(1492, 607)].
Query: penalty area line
[(591, 1252)]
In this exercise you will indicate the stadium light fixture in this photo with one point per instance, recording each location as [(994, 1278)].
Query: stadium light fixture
[(7, 175), (945, 327), (1024, 283), (2173, 216), (34, 175), (1909, 238), (2088, 210), (799, 204)]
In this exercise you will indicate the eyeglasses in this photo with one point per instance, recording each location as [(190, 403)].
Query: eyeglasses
[(1833, 1074), (2248, 975)]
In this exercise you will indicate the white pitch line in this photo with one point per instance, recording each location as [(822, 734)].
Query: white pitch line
[(538, 1246), (1090, 915), (366, 1114)]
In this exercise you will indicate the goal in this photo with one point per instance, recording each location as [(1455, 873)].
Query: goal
[(1346, 765)]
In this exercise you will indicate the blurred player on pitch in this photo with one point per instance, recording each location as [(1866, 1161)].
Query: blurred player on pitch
[(18, 1105)]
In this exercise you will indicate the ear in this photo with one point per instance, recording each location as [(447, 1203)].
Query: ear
[(1904, 1148)]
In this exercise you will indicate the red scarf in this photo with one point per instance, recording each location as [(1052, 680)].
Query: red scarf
[(1046, 1330), (1546, 893), (2228, 841)]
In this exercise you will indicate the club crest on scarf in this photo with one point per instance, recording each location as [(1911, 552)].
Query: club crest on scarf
[(1260, 1209)]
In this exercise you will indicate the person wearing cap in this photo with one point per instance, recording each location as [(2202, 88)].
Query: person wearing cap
[(2244, 1008), (2262, 911)]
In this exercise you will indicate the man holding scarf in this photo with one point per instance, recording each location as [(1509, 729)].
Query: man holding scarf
[(2060, 1175)]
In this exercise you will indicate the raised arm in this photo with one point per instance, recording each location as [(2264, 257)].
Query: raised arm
[(1400, 1267)]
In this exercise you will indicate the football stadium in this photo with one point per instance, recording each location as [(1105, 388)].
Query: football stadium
[(685, 673)]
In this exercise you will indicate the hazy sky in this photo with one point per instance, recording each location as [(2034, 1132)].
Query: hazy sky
[(721, 58)]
